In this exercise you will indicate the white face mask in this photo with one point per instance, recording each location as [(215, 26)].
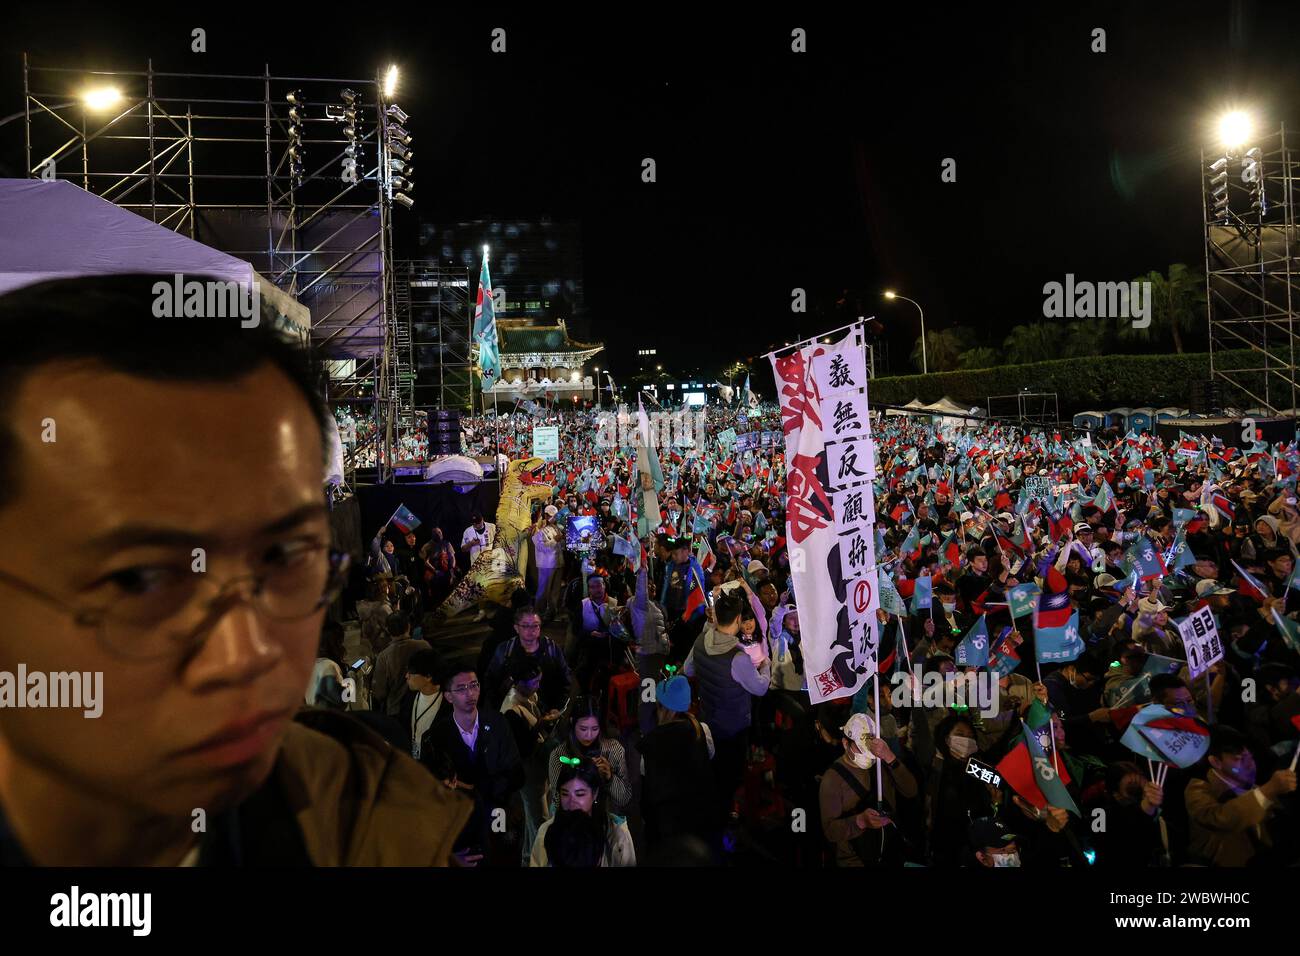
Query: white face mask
[(1006, 859), (863, 759), (962, 747), (949, 608)]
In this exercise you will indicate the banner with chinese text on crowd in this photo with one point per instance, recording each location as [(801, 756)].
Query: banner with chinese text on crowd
[(830, 512)]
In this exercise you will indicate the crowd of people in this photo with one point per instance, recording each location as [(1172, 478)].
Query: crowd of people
[(672, 722)]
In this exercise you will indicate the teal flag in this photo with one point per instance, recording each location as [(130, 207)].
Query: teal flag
[(973, 651), (1023, 599)]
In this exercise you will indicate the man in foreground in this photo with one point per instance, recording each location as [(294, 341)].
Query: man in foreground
[(165, 478)]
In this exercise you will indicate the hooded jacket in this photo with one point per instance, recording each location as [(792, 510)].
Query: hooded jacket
[(727, 680)]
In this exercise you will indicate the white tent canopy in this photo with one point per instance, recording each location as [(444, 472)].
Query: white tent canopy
[(56, 230)]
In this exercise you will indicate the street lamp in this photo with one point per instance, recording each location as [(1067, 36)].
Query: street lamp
[(925, 363)]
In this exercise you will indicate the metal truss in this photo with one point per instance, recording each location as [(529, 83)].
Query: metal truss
[(1251, 271), (208, 155)]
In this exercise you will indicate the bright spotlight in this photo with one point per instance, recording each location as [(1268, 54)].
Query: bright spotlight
[(889, 295), (1235, 128), (390, 81), (102, 98)]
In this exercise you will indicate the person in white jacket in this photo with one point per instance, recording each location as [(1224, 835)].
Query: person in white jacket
[(579, 787), (784, 650)]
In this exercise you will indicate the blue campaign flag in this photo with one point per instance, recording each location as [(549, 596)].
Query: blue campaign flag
[(405, 521), (1057, 645), (1023, 598), (973, 651), (923, 596)]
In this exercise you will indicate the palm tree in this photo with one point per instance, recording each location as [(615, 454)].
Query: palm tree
[(1177, 307), (943, 348), (1032, 343), (981, 357), (1082, 339)]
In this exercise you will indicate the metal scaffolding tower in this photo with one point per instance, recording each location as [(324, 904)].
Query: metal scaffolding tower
[(295, 175), (1252, 274)]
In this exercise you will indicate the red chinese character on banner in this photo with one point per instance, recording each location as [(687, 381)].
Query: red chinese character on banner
[(808, 509), (829, 682), (803, 402)]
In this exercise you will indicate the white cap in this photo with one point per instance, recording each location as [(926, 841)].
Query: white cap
[(550, 511), (859, 728)]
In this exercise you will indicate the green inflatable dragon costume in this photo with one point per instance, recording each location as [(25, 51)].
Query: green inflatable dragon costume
[(500, 569)]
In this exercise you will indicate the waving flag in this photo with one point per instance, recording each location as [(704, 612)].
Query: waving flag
[(1145, 558), (1250, 584), (923, 596), (485, 330), (1105, 498), (1034, 768), (973, 651), (695, 598), (406, 522), (1181, 740), (1056, 645)]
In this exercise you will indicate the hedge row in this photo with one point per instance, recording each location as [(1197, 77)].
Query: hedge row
[(1097, 382)]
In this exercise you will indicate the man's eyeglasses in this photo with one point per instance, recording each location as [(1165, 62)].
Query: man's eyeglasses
[(157, 617), (465, 688), (529, 625)]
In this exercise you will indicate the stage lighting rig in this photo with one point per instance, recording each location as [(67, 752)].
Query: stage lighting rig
[(297, 155), (1252, 174), (352, 151), (1219, 188), (397, 157)]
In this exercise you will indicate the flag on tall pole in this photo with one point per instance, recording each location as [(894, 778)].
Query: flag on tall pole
[(485, 329)]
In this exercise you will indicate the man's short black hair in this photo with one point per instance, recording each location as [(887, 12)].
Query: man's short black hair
[(458, 665), (1163, 682), (727, 607), (109, 320), (425, 663), (526, 610), (1090, 664), (398, 623), (1225, 740)]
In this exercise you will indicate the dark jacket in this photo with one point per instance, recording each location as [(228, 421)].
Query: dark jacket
[(557, 678), (494, 768)]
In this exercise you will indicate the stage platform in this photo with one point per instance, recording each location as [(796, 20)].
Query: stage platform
[(1230, 430)]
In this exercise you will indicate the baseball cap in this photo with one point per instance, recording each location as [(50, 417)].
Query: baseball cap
[(1081, 526), (550, 511), (859, 728), (1209, 588), (1105, 581), (989, 832)]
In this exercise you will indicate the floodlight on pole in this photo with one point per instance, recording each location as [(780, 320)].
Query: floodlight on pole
[(390, 81), (101, 98), (1235, 128)]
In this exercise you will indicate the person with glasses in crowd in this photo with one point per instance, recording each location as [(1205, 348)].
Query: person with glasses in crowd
[(529, 642), (475, 753), (193, 570)]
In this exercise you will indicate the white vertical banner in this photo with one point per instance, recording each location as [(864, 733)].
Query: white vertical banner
[(836, 605)]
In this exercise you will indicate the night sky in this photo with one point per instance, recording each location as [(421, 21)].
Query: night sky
[(776, 170)]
